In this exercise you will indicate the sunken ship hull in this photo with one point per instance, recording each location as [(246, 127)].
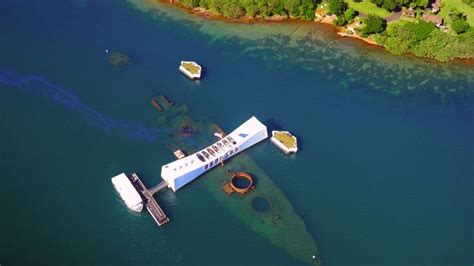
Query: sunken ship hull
[(278, 222)]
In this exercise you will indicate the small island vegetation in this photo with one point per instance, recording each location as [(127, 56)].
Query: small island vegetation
[(438, 29), (191, 68), (286, 139)]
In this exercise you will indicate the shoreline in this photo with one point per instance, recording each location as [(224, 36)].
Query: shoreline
[(339, 31)]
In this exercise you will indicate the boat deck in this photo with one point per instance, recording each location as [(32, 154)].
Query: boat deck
[(151, 205)]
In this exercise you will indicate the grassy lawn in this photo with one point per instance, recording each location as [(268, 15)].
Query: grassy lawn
[(403, 19), (461, 6), (367, 7)]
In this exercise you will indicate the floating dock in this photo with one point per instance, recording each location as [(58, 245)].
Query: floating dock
[(151, 205), (145, 194)]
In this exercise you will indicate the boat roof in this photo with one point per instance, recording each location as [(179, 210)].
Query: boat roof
[(126, 189), (180, 167)]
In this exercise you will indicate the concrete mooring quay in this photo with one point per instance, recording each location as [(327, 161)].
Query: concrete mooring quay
[(147, 194)]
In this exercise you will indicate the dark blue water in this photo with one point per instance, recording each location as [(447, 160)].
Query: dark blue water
[(384, 175)]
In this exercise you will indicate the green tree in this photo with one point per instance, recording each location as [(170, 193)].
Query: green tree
[(423, 39), (390, 5), (398, 39), (190, 3), (402, 37), (460, 25), (420, 29), (292, 7), (276, 7), (340, 21), (306, 9), (469, 2), (420, 3), (250, 7), (378, 3), (302, 9), (337, 7), (350, 14), (404, 2), (458, 21), (232, 9), (373, 24)]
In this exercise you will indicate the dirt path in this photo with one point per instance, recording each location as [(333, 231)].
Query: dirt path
[(394, 16)]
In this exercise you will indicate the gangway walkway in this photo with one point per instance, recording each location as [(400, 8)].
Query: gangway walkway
[(151, 205), (158, 187)]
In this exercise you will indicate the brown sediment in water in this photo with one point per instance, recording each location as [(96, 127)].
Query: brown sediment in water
[(338, 33), (464, 62), (358, 37)]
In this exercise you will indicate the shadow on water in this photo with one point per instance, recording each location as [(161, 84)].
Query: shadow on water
[(272, 124)]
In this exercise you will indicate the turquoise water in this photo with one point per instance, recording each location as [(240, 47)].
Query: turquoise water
[(383, 176)]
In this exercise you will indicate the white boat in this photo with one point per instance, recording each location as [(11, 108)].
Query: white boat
[(191, 69), (183, 171), (127, 192), (285, 141)]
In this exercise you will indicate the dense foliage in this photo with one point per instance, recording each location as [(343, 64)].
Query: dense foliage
[(402, 37), (341, 10), (350, 14), (302, 9), (419, 37), (469, 2), (458, 22), (391, 5), (342, 20), (423, 39), (373, 24), (337, 7), (443, 46)]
